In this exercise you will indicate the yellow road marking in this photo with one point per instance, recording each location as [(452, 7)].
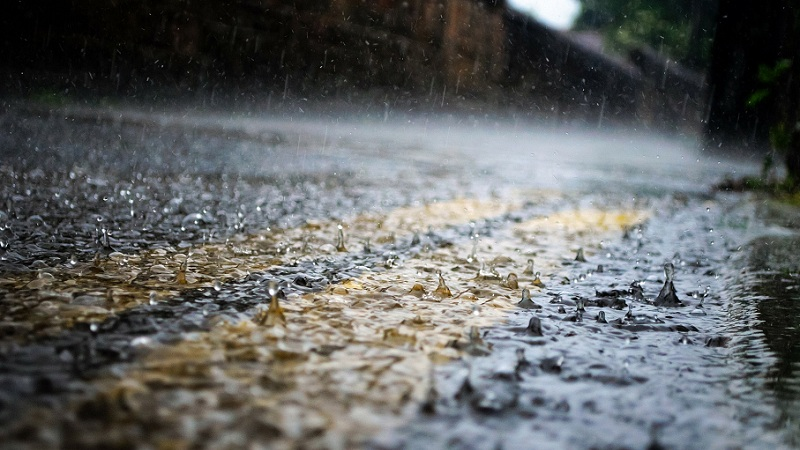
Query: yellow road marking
[(58, 297), (350, 361)]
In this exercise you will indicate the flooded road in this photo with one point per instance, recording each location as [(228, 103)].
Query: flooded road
[(188, 279)]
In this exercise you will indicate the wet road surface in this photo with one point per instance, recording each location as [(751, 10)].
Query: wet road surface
[(184, 278)]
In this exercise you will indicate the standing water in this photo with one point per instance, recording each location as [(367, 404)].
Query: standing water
[(231, 282)]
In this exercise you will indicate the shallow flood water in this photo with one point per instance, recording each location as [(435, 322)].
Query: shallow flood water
[(138, 255)]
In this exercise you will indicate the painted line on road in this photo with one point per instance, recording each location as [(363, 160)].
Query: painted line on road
[(357, 358)]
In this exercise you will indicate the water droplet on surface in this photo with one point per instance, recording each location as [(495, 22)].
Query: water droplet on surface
[(340, 239), (512, 281), (668, 296), (529, 268), (417, 290), (527, 302), (274, 314), (180, 277), (473, 255), (217, 285), (534, 327), (537, 281), (489, 273), (442, 290), (601, 317), (579, 255), (698, 311), (194, 220), (153, 298)]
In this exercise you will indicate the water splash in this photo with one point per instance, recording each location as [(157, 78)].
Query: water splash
[(512, 281), (668, 296), (273, 316), (418, 290), (537, 281), (529, 268), (442, 291), (527, 302), (180, 277), (340, 239), (534, 327)]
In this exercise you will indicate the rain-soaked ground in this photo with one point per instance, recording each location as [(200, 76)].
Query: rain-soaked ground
[(189, 279)]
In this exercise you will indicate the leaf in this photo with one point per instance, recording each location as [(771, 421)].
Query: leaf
[(757, 97), (769, 75)]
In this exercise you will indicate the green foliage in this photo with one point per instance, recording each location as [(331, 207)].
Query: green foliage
[(663, 25), (757, 97), (771, 75), (780, 136)]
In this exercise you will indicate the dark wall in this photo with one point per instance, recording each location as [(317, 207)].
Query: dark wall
[(429, 53), (332, 44)]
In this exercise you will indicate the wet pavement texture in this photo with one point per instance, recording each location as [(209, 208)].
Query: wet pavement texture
[(185, 279)]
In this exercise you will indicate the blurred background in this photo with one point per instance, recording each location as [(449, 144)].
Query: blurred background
[(715, 68)]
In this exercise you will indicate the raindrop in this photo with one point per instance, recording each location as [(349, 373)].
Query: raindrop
[(417, 290), (180, 277), (442, 290), (488, 274), (153, 298), (529, 268), (580, 305), (195, 220), (668, 296), (274, 314), (527, 302), (473, 255), (698, 311), (534, 326), (601, 317), (579, 255), (340, 239), (217, 285), (511, 281), (537, 281), (415, 240)]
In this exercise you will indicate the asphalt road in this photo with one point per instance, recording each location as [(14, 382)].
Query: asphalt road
[(181, 278)]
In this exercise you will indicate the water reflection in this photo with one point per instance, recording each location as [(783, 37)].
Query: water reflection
[(775, 291)]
